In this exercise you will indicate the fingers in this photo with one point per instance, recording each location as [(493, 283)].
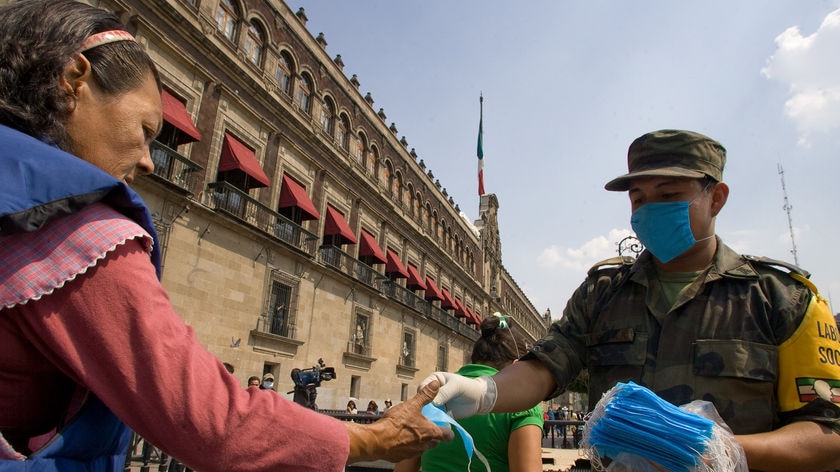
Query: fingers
[(445, 391), (428, 392)]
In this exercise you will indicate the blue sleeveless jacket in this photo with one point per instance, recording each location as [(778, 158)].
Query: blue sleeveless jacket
[(39, 183)]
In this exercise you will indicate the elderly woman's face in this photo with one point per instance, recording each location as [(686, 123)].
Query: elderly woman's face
[(114, 132)]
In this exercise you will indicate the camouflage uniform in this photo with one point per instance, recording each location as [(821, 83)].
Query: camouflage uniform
[(719, 342)]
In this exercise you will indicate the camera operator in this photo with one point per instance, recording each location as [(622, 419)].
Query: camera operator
[(307, 381)]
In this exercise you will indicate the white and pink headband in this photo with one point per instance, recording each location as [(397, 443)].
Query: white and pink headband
[(106, 37)]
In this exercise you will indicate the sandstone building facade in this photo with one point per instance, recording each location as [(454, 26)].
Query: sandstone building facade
[(295, 223)]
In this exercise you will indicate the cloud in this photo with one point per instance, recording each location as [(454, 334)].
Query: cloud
[(585, 256), (808, 65)]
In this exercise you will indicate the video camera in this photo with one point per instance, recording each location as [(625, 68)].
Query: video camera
[(307, 380), (313, 376)]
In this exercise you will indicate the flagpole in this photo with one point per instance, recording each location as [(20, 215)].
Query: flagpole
[(480, 146)]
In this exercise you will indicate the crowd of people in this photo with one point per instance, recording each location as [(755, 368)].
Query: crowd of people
[(89, 342)]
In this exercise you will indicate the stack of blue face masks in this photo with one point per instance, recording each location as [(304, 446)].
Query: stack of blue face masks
[(633, 420)]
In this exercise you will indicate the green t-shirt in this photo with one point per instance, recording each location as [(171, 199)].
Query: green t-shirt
[(490, 434)]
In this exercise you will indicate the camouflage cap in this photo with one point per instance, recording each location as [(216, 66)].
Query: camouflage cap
[(671, 153)]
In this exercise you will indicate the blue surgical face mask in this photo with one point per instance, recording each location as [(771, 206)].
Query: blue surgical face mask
[(664, 228)]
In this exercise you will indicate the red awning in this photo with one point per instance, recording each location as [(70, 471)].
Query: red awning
[(395, 266), (292, 194), (175, 113), (236, 155), (369, 247), (336, 225), (447, 301), (460, 311), (414, 280), (432, 291), (472, 317)]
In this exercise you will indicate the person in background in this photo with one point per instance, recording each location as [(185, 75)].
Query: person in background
[(351, 408), (89, 343), (509, 441), (372, 408), (388, 405), (690, 319), (549, 417), (253, 381), (267, 382)]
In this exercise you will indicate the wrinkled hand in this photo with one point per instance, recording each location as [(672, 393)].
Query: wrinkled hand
[(462, 396), (401, 433)]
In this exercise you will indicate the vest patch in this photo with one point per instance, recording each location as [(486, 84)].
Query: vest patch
[(810, 389)]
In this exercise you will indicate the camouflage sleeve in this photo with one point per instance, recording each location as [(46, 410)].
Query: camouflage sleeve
[(563, 349)]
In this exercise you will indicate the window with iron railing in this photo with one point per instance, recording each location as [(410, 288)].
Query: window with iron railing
[(173, 167), (279, 317), (222, 196), (334, 257)]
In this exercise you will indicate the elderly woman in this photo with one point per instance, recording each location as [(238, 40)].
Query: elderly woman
[(88, 339)]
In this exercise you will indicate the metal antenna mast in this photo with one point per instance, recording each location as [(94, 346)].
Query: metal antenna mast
[(787, 207)]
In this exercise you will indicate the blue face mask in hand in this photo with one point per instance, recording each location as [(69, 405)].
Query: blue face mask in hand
[(664, 228)]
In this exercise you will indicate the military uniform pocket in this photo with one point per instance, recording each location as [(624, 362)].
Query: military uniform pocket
[(624, 346), (736, 358)]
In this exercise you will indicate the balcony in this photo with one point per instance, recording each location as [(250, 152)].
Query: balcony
[(226, 198), (334, 257), (410, 299), (274, 336), (404, 296), (444, 318), (173, 167)]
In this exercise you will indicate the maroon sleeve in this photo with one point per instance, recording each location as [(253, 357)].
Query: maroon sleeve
[(114, 331)]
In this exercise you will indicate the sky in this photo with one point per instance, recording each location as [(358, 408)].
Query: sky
[(569, 84)]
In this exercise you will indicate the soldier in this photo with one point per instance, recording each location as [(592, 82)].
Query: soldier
[(689, 319)]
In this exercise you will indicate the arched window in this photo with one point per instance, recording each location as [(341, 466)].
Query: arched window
[(254, 42), (373, 162), (418, 202), (361, 148), (397, 189), (284, 73), (327, 116), (387, 177), (226, 16), (342, 132), (409, 197), (304, 94)]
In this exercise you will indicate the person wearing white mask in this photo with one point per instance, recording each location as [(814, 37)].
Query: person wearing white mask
[(267, 382)]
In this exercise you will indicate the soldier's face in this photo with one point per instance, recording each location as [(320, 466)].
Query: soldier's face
[(701, 212)]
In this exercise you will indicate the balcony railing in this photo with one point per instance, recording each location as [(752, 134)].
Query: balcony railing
[(225, 197), (356, 348), (275, 325), (404, 295), (173, 167), (334, 257)]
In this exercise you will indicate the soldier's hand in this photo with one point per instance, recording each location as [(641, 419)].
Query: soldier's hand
[(463, 397)]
